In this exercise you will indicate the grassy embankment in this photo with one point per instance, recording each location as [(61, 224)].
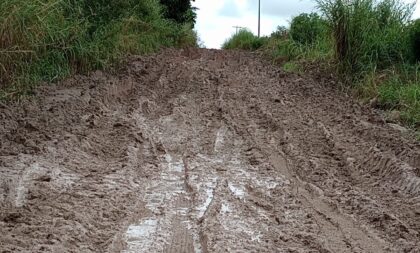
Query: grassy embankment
[(48, 40), (373, 46)]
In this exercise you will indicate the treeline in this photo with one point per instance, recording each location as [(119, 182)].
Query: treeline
[(374, 47), (46, 40)]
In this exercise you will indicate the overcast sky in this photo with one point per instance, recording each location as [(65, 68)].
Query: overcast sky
[(216, 18)]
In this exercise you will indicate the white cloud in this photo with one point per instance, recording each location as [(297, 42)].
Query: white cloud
[(216, 18), (230, 9)]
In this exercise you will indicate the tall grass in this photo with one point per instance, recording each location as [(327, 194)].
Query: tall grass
[(47, 40), (245, 40), (290, 50), (368, 34), (375, 45)]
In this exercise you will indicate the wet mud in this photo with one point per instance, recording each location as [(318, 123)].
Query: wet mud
[(204, 151)]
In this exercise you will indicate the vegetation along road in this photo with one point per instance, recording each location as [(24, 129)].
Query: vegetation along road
[(119, 134)]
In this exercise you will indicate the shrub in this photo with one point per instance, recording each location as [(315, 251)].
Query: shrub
[(281, 33), (244, 40), (307, 28)]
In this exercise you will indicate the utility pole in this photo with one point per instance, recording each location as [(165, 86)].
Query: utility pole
[(259, 18)]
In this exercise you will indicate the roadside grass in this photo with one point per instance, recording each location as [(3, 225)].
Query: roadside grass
[(45, 41), (244, 40), (374, 46), (368, 35), (402, 93), (292, 67), (402, 97)]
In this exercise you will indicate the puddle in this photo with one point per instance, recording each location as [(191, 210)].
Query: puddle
[(165, 196), (209, 189), (22, 187), (144, 229), (220, 136), (174, 166), (225, 208), (239, 192)]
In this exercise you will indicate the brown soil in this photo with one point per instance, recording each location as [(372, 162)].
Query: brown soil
[(204, 151)]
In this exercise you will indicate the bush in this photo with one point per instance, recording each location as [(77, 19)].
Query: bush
[(48, 40), (281, 33), (244, 40), (368, 34), (415, 40), (307, 28)]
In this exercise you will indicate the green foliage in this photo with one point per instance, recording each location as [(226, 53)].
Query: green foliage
[(292, 67), (372, 42), (307, 28), (394, 94), (291, 50), (368, 34), (244, 40), (48, 40), (415, 40), (281, 33), (179, 11)]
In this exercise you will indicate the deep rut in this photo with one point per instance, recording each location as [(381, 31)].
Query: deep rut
[(204, 151)]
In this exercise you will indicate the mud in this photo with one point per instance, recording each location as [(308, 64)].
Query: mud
[(204, 151)]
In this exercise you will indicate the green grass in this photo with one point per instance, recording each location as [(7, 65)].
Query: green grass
[(244, 40), (373, 45), (292, 67), (319, 50), (49, 40), (395, 94), (368, 34)]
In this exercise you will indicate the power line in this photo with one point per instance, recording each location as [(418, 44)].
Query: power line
[(238, 28)]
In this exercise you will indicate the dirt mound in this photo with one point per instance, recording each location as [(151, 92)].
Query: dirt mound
[(204, 151)]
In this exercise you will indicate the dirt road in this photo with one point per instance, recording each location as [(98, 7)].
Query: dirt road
[(204, 151)]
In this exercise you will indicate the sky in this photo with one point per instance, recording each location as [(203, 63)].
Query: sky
[(216, 18)]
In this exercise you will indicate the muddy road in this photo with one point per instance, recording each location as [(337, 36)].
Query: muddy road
[(204, 151)]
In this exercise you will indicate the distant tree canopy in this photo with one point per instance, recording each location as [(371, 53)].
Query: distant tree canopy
[(181, 11)]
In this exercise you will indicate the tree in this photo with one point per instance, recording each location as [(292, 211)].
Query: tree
[(180, 11), (307, 28), (415, 40)]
